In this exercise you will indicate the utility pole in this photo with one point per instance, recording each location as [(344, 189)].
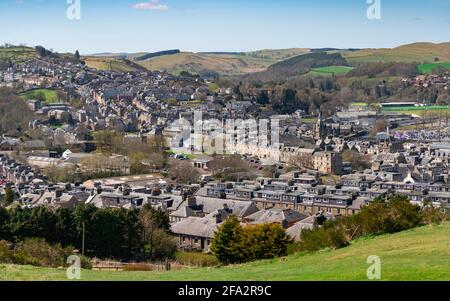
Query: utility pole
[(82, 242)]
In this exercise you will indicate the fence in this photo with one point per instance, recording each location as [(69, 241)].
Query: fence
[(118, 266)]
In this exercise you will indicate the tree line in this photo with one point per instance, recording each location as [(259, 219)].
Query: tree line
[(14, 113), (137, 234)]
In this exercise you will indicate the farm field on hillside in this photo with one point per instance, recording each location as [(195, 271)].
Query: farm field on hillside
[(330, 70), (109, 63), (428, 68)]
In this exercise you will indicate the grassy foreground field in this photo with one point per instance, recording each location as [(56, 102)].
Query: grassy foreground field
[(419, 254)]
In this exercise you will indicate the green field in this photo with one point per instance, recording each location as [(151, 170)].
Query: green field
[(428, 68), (50, 96), (17, 54), (213, 87), (330, 70), (420, 111), (419, 254)]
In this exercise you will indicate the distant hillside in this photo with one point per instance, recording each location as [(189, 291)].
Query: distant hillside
[(297, 60), (112, 63), (156, 54), (385, 70), (110, 54), (418, 52), (302, 65), (308, 61), (332, 49), (223, 63), (415, 255), (203, 64), (13, 55), (278, 54)]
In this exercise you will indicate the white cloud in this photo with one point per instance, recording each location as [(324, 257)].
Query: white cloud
[(151, 5)]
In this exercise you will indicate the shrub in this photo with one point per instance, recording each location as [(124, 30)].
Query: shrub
[(235, 244), (264, 241), (160, 246), (196, 259), (6, 253), (332, 236), (433, 216), (36, 251), (402, 215), (380, 217), (85, 262)]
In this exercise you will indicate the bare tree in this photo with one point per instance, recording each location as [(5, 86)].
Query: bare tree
[(184, 172), (380, 126), (301, 161), (231, 168)]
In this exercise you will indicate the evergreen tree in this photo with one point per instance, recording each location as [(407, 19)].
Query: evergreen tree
[(263, 98), (226, 245), (265, 241), (9, 197)]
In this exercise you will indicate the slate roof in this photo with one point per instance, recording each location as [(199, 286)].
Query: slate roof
[(276, 216), (196, 226)]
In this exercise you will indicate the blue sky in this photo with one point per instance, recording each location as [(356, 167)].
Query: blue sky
[(221, 25)]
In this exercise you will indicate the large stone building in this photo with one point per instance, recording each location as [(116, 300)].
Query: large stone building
[(328, 162)]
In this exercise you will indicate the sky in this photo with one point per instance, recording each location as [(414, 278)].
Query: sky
[(220, 25)]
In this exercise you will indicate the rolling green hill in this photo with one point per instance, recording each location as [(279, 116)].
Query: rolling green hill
[(17, 54), (417, 52), (307, 64), (204, 64), (224, 63), (419, 254)]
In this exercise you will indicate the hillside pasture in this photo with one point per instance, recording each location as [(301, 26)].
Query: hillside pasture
[(110, 63), (330, 71), (428, 68)]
